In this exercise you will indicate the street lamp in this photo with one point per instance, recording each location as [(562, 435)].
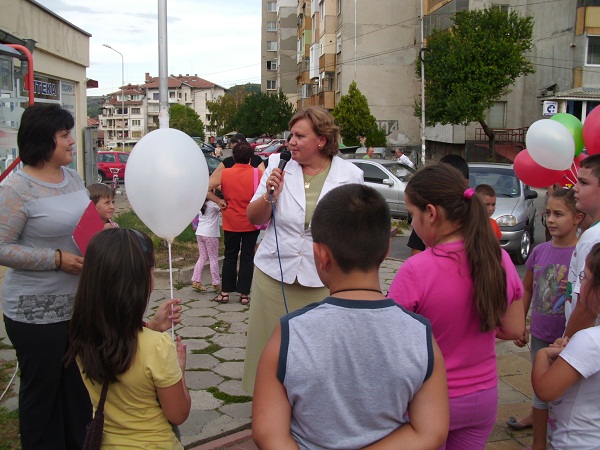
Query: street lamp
[(122, 90)]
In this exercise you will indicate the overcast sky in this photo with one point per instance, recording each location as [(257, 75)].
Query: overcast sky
[(219, 40)]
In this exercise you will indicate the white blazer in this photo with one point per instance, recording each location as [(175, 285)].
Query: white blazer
[(295, 242)]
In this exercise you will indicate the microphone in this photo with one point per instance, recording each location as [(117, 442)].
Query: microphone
[(285, 156)]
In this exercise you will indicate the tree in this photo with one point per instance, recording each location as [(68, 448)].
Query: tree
[(263, 113), (184, 118), (473, 64), (224, 109), (353, 115)]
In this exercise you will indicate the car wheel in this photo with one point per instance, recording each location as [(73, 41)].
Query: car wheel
[(520, 257), (100, 177)]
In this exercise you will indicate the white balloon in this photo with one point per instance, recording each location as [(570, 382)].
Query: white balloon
[(166, 181), (550, 144)]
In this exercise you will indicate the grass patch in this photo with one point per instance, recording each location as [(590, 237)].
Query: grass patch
[(401, 224), (228, 399), (221, 326), (9, 420), (212, 348)]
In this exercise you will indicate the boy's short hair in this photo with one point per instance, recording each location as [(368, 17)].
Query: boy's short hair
[(593, 163), (458, 162), (100, 190), (485, 189), (354, 221)]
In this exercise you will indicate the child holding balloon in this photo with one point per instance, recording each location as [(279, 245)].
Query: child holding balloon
[(131, 372), (545, 285)]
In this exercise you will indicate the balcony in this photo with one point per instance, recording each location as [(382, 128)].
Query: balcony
[(327, 62), (326, 99)]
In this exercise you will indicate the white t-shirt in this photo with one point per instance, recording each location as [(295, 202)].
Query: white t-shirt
[(208, 223), (406, 161), (588, 239), (574, 417)]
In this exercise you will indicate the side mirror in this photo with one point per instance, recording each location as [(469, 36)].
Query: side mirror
[(388, 182), (530, 194)]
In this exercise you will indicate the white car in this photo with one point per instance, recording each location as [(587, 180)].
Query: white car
[(261, 147), (389, 178)]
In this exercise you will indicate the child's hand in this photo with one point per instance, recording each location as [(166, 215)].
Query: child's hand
[(181, 353), (168, 313), (523, 341), (222, 204)]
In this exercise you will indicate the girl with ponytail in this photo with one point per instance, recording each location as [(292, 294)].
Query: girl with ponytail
[(466, 285)]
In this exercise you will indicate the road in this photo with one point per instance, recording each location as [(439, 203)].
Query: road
[(399, 250)]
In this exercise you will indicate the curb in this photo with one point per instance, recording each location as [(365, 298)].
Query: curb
[(226, 440)]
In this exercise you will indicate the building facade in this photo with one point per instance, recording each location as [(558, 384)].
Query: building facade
[(142, 107), (60, 53), (377, 45)]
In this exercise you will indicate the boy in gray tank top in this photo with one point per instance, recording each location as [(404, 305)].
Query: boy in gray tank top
[(349, 371)]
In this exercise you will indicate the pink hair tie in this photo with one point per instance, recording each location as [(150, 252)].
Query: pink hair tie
[(468, 193)]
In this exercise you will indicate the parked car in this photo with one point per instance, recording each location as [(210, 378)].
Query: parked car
[(207, 149), (111, 160), (261, 147), (389, 178), (271, 150), (212, 163), (259, 141), (515, 210)]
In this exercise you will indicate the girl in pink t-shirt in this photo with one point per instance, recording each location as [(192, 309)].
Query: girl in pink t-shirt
[(546, 289), (468, 288)]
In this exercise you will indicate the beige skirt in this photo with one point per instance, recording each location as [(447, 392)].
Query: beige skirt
[(266, 308)]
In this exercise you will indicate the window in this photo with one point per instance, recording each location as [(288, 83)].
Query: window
[(338, 43), (172, 94), (271, 25), (505, 8), (135, 110), (271, 85), (136, 134), (496, 115), (271, 6), (372, 174), (593, 50), (322, 8), (123, 157), (272, 65), (339, 6), (155, 96), (136, 123), (271, 46)]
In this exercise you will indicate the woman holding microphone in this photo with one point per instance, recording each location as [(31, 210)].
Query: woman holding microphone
[(293, 192)]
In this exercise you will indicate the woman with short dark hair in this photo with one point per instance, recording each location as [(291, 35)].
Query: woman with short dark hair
[(41, 205), (238, 186)]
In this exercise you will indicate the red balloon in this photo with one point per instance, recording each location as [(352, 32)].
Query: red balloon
[(570, 175), (591, 132), (534, 175)]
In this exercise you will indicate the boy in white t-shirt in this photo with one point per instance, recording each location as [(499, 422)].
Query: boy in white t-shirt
[(587, 194)]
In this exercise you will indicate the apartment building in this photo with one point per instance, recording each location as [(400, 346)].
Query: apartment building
[(278, 48), (140, 114), (338, 41), (377, 44)]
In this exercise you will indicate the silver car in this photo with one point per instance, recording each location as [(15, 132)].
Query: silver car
[(515, 211), (389, 178)]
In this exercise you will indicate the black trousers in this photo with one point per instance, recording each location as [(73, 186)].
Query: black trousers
[(241, 243), (54, 405)]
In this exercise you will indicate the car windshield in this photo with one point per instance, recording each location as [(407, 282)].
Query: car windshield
[(271, 148), (502, 179), (400, 171)]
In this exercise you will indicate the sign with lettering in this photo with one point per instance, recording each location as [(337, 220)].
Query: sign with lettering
[(46, 88)]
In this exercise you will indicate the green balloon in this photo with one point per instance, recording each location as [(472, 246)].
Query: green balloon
[(574, 126)]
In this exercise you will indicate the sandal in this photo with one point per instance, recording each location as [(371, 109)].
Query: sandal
[(514, 424), (223, 297), (244, 299), (198, 286)]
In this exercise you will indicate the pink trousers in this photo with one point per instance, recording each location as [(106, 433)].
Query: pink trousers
[(209, 249), (472, 418)]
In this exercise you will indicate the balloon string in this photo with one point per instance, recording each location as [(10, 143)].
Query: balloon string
[(171, 283)]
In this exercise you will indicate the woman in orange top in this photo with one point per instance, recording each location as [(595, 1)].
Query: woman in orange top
[(237, 184)]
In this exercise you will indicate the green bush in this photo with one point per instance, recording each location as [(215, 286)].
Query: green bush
[(130, 219)]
